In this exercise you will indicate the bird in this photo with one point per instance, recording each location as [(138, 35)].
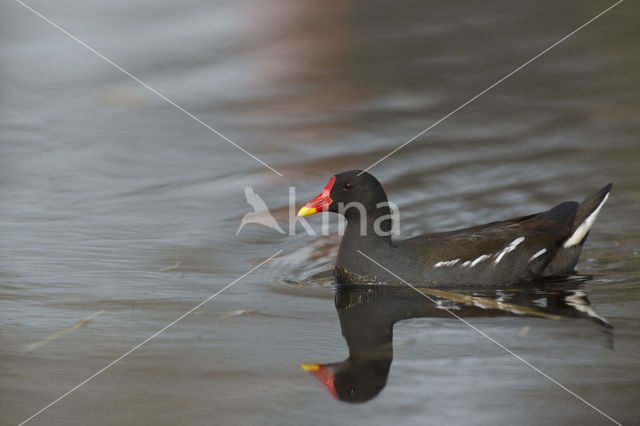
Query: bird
[(521, 249), (260, 213)]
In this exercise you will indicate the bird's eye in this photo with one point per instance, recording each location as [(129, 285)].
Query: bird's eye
[(348, 186)]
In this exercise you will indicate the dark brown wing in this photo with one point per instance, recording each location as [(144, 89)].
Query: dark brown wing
[(513, 249)]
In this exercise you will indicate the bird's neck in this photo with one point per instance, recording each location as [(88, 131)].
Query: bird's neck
[(376, 225)]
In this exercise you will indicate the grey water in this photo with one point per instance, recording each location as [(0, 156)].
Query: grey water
[(118, 212)]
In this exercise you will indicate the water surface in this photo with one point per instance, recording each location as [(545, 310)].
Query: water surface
[(117, 205)]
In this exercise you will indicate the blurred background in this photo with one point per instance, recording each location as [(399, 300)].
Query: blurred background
[(113, 203)]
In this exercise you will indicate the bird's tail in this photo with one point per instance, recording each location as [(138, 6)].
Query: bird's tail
[(586, 215), (567, 255)]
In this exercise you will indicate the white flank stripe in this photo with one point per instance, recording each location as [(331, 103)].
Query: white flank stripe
[(480, 259), (538, 254), (585, 226), (446, 263), (511, 247)]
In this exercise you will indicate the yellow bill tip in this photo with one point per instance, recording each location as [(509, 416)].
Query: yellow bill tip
[(306, 211), (310, 367)]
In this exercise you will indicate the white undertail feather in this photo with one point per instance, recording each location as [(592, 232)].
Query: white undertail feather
[(579, 234)]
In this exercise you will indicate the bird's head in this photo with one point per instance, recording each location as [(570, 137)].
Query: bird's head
[(345, 190)]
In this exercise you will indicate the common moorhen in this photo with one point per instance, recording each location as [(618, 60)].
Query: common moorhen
[(546, 244)]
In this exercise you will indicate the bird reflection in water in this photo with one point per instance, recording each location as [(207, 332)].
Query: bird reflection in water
[(367, 315)]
